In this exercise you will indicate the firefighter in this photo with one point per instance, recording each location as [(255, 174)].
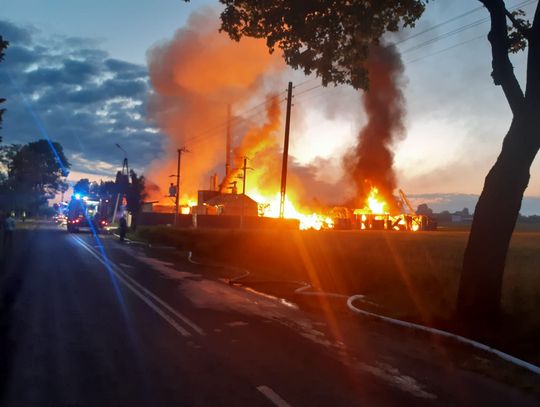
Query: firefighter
[(122, 228), (9, 227)]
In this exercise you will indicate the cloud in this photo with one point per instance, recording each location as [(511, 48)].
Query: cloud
[(86, 100), (15, 34), (124, 69)]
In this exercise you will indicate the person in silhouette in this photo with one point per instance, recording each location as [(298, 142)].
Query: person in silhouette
[(122, 228), (9, 228)]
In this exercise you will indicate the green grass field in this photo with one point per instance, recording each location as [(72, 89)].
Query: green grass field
[(413, 276)]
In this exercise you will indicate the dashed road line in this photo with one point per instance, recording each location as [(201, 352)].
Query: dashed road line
[(273, 396), (128, 266), (144, 294)]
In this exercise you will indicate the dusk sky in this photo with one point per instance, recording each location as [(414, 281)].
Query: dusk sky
[(82, 67)]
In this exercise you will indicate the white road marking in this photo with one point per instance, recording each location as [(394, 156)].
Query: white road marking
[(124, 265), (237, 323), (188, 322), (138, 290), (394, 377), (273, 396)]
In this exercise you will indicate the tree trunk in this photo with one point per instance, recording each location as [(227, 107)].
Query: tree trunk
[(480, 289), (494, 220)]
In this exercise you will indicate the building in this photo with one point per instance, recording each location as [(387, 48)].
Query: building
[(227, 205)]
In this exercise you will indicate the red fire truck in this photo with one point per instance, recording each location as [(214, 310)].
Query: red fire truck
[(86, 213)]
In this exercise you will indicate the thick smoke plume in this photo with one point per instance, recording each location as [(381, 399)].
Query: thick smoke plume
[(371, 162), (259, 144), (194, 76), (199, 72)]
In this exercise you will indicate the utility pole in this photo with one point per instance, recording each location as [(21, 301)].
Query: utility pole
[(285, 153), (228, 143), (243, 196), (244, 169), (180, 151), (125, 167)]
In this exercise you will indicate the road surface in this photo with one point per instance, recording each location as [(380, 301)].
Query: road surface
[(88, 322)]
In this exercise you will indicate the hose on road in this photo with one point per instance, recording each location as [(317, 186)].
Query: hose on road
[(303, 290)]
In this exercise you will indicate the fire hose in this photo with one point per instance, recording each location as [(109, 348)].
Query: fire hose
[(351, 299)]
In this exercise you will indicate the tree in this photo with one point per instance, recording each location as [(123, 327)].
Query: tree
[(485, 256), (82, 187), (3, 45), (121, 182), (135, 196), (424, 209), (329, 39), (332, 40), (63, 188), (35, 174), (108, 189)]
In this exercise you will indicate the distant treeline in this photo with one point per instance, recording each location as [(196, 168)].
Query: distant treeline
[(465, 215)]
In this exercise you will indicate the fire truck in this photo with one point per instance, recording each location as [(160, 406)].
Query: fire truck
[(86, 212)]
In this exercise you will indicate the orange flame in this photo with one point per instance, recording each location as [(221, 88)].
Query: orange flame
[(374, 204)]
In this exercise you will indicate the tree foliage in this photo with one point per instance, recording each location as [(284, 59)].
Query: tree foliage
[(108, 189), (34, 174), (82, 186), (3, 45), (135, 196), (327, 37)]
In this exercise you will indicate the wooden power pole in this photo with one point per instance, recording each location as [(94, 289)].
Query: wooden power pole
[(244, 169), (285, 153), (228, 145), (177, 199)]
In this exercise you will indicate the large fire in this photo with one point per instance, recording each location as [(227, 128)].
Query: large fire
[(308, 220), (193, 86), (374, 203), (372, 216)]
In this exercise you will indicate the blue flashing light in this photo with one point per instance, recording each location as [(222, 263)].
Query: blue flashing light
[(77, 196)]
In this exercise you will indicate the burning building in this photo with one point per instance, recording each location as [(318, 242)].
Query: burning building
[(199, 73), (217, 203)]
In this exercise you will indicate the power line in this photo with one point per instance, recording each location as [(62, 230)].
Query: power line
[(446, 49), (523, 4), (433, 40), (305, 82), (308, 90), (242, 116), (434, 27), (455, 18), (445, 35), (461, 28), (202, 137)]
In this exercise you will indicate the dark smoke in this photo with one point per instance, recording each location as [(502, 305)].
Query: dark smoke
[(371, 162)]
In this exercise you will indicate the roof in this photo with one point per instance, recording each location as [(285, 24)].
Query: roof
[(224, 199)]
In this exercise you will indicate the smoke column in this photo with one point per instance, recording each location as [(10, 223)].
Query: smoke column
[(258, 143), (370, 164), (194, 76)]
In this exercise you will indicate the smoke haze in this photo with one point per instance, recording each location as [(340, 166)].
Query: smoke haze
[(195, 76)]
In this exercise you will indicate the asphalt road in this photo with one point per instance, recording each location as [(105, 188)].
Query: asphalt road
[(87, 322)]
